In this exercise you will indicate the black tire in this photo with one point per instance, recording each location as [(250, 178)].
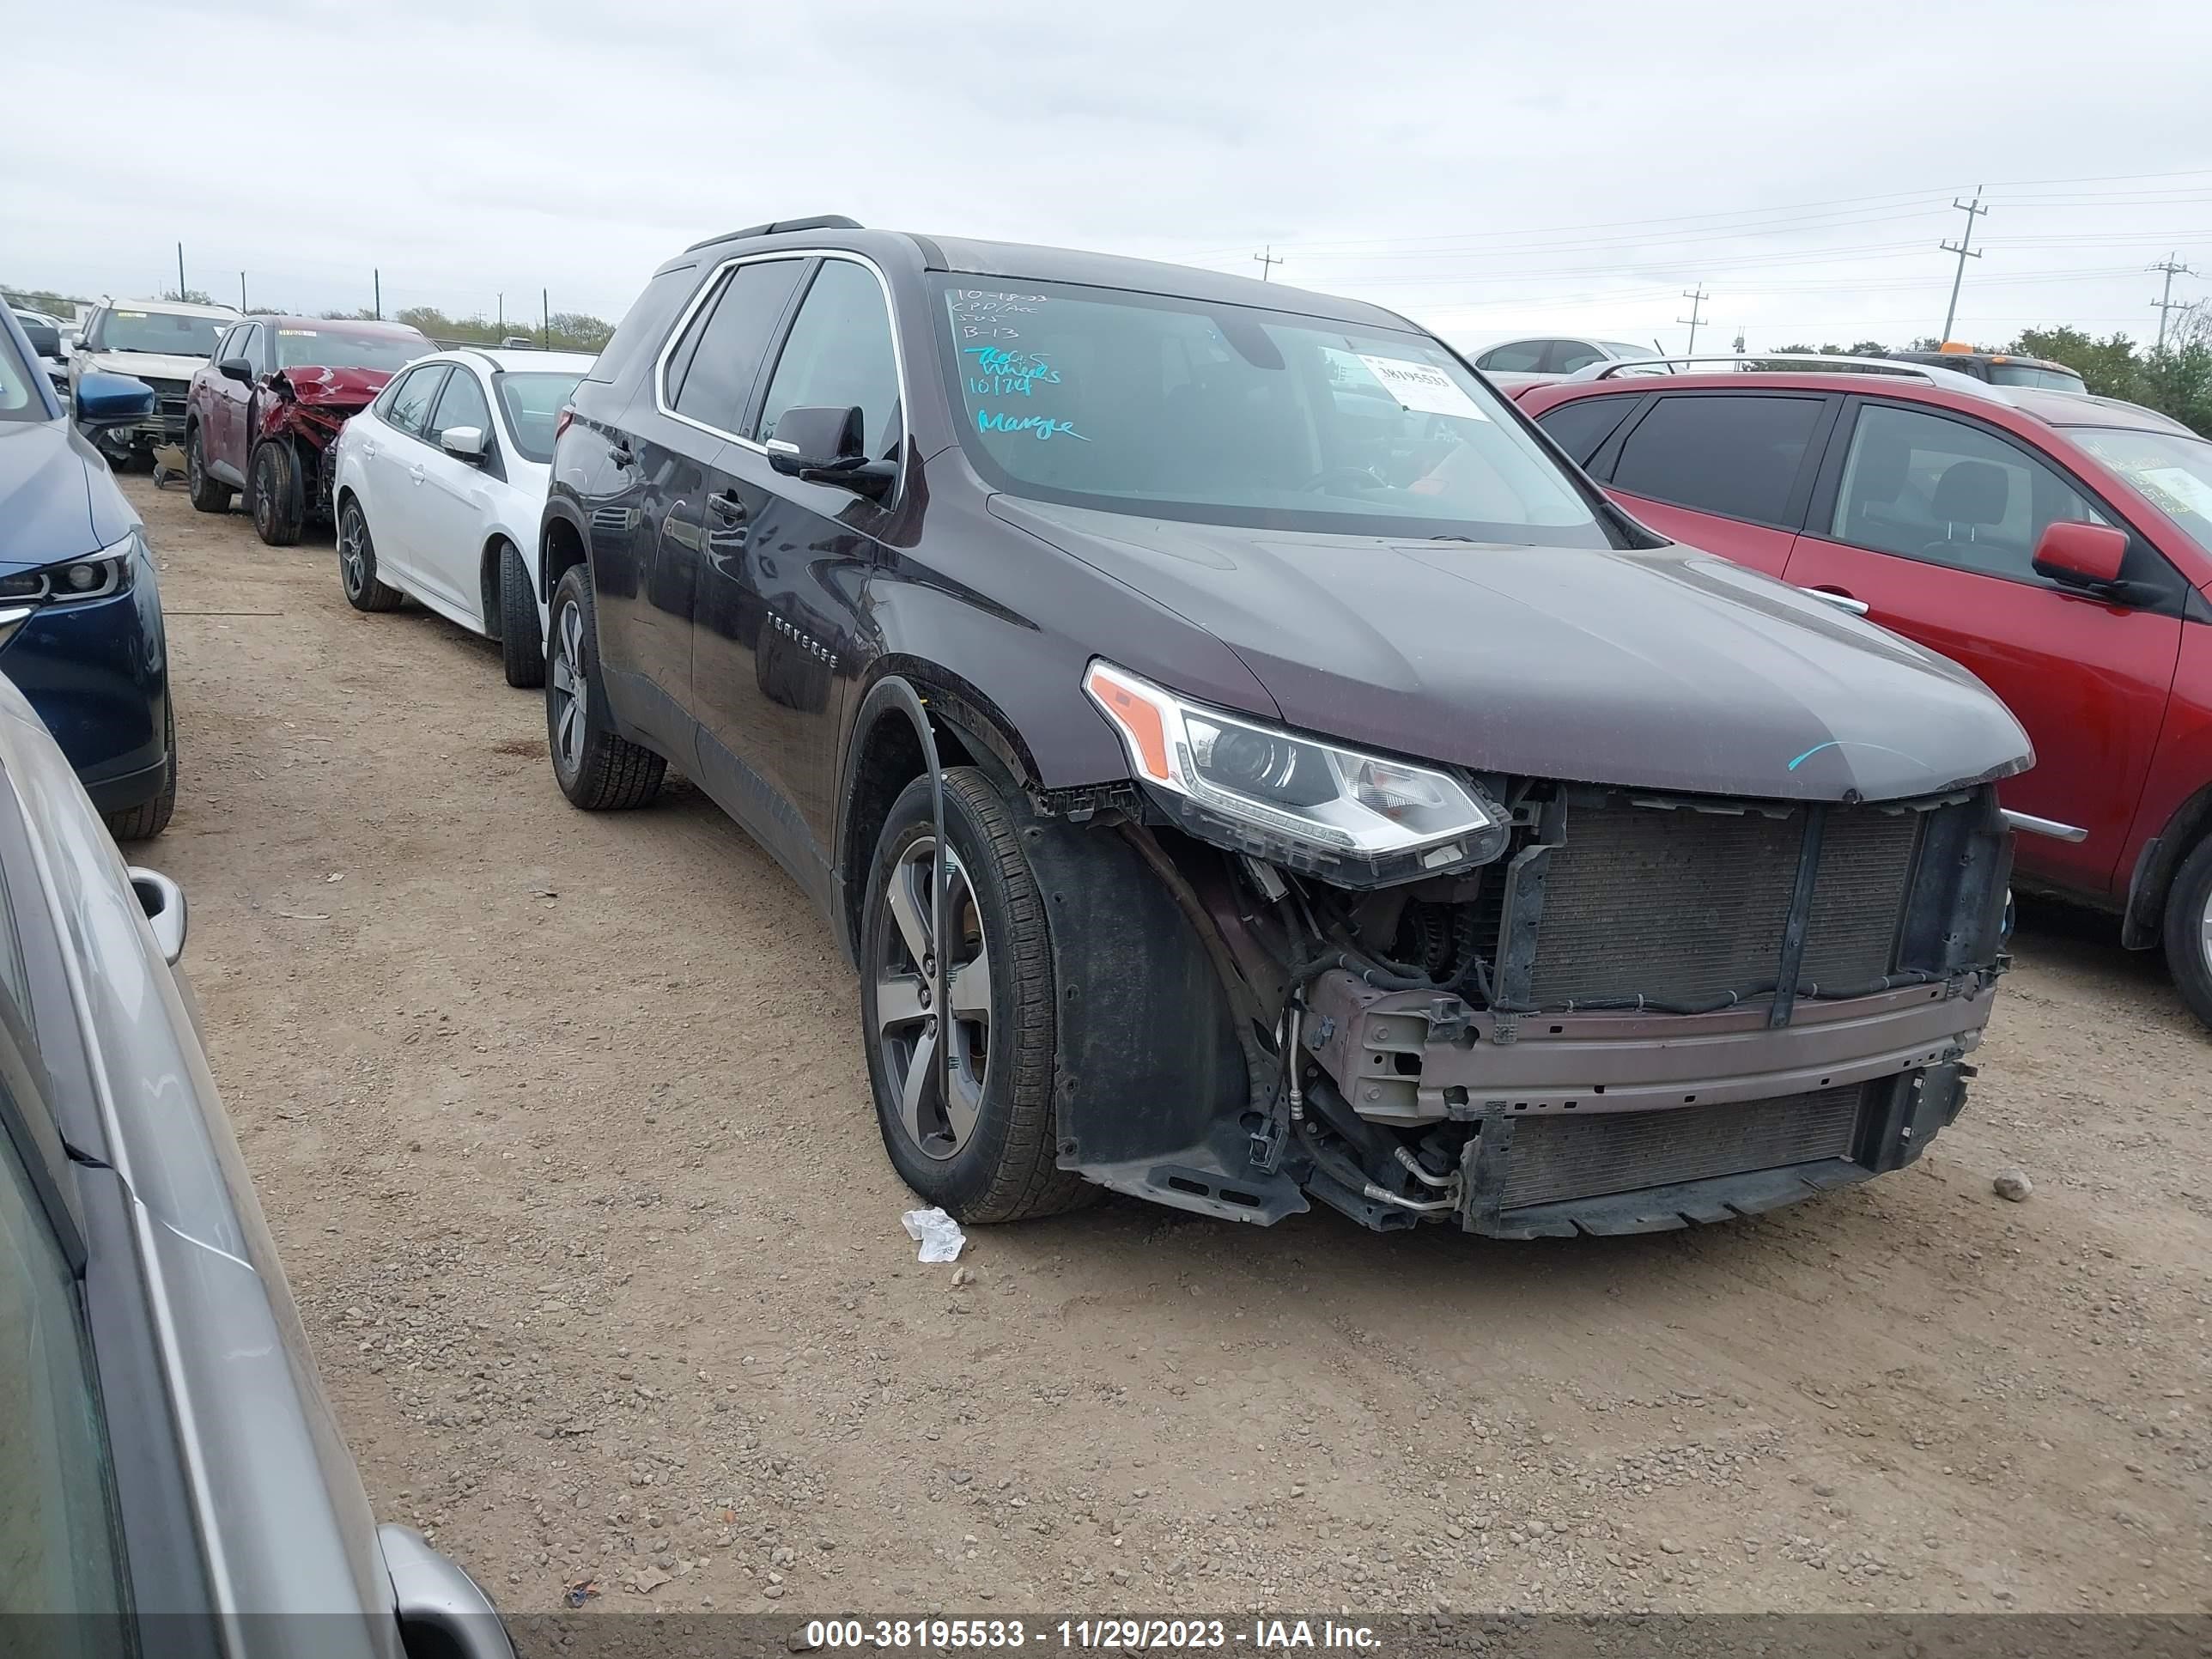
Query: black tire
[(279, 503), (522, 647), (150, 818), (1001, 1169), (597, 768), (2188, 931), (209, 494), (357, 562)]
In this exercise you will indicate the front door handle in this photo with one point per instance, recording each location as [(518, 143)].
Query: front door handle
[(1841, 600), (622, 456), (416, 472)]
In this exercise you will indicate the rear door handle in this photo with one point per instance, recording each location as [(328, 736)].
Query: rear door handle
[(416, 472), (622, 456), (1841, 600), (726, 506)]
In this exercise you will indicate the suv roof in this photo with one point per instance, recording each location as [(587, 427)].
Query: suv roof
[(1031, 262), (171, 307), (353, 325)]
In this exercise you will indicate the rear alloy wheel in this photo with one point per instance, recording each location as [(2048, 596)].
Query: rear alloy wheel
[(521, 646), (357, 563), (597, 768), (981, 1146), (2188, 931), (280, 506), (209, 494)]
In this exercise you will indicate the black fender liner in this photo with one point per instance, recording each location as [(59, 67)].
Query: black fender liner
[(1151, 1093)]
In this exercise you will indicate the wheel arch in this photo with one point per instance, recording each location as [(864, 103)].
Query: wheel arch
[(496, 543), (563, 543), (883, 754), (2142, 926)]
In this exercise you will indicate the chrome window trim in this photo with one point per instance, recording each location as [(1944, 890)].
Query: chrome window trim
[(712, 285)]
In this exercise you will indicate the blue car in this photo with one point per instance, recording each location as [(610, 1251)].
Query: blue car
[(80, 609)]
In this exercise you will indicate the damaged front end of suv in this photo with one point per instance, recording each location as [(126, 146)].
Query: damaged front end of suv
[(1531, 1006)]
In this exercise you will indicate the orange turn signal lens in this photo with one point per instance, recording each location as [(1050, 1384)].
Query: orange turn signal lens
[(1137, 715)]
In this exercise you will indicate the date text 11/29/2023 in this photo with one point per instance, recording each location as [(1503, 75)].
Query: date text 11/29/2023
[(1111, 1635)]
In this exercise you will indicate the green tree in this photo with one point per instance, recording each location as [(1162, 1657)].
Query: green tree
[(190, 297), (2109, 366), (43, 298)]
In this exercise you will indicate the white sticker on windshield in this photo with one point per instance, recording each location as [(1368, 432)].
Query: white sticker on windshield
[(1417, 387), (2180, 485)]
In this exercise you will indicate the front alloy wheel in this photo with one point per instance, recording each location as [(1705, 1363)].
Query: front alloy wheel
[(939, 1120)]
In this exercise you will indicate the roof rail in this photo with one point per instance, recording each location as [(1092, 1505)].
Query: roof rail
[(1781, 362), (777, 227)]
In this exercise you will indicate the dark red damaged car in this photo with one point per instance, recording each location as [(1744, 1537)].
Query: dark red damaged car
[(260, 418)]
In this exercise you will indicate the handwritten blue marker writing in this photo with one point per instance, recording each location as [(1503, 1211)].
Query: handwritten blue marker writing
[(1020, 365), (1040, 426)]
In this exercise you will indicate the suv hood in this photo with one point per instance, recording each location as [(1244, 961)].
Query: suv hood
[(46, 508), (140, 364), (1670, 669)]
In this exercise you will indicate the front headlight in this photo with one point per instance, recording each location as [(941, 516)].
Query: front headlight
[(95, 576), (1356, 819)]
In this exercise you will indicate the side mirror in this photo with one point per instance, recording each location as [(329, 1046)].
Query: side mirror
[(104, 399), (828, 447), (236, 369), (46, 339), (163, 902), (463, 443), (2081, 555)]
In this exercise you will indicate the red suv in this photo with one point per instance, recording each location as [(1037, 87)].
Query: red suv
[(2058, 545), (260, 417)]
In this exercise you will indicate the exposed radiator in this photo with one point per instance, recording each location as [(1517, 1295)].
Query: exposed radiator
[(1682, 906), (1558, 1157)]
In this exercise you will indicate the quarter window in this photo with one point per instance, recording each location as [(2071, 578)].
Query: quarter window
[(712, 370), (839, 356), (1928, 488), (409, 408), (1581, 428), (1729, 454)]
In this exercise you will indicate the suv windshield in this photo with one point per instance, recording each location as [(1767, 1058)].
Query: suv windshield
[(341, 348), (2053, 379), (122, 329), (1223, 414), (2174, 471), (533, 401)]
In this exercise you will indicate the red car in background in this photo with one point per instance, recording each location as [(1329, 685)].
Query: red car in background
[(260, 417), (2058, 545)]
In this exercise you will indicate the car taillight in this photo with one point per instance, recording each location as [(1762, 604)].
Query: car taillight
[(561, 421)]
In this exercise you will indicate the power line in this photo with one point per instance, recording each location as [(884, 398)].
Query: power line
[(2166, 302), (1973, 210)]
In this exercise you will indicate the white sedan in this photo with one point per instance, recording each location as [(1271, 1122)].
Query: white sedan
[(438, 485)]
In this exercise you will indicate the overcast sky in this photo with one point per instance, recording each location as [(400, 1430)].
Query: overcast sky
[(1488, 169)]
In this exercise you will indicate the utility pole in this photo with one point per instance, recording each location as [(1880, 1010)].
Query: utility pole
[(1696, 296), (2166, 302), (241, 292), (376, 278), (503, 316), (181, 272), (1965, 251), (545, 310), (1269, 261)]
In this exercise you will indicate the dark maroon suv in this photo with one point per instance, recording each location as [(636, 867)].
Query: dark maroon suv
[(1247, 764)]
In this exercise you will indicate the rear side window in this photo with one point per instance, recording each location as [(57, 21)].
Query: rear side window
[(645, 326), (1729, 454), (1568, 355), (409, 408), (712, 370), (839, 356), (1522, 357), (1582, 427)]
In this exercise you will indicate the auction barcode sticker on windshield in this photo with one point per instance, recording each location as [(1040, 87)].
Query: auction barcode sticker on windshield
[(1417, 387)]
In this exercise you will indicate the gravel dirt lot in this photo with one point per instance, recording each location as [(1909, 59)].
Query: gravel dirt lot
[(561, 1124)]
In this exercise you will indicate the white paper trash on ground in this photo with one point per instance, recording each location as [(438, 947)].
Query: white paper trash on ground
[(939, 1234)]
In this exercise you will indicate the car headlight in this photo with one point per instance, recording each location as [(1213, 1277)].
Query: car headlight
[(95, 576), (1356, 819)]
